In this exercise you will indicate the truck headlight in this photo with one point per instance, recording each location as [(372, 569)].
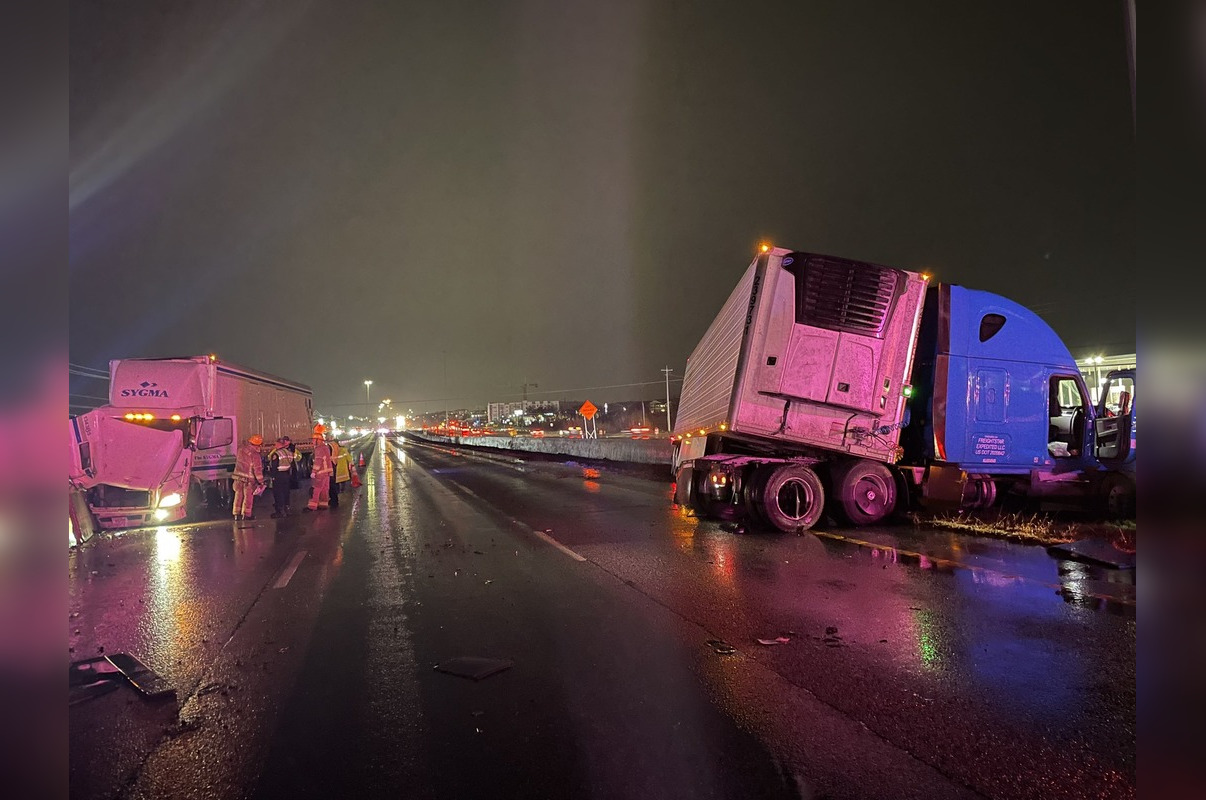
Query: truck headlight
[(160, 515), (170, 500)]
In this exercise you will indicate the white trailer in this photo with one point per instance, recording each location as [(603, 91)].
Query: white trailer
[(166, 442)]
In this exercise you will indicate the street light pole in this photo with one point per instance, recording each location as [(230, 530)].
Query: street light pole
[(368, 403), (669, 426)]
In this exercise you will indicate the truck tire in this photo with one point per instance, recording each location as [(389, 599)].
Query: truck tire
[(1118, 496), (752, 494), (866, 491), (792, 498), (980, 492)]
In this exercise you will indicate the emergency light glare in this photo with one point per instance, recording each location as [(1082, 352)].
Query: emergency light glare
[(170, 500)]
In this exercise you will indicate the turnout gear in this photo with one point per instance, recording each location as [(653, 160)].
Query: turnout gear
[(320, 473), (248, 474)]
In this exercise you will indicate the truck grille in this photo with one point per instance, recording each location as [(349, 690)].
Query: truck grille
[(842, 295), (106, 496)]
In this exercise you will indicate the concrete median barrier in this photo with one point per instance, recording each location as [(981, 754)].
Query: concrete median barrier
[(632, 451)]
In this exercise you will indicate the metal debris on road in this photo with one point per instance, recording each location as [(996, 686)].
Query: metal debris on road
[(474, 667), (85, 675), (775, 641), (721, 647)]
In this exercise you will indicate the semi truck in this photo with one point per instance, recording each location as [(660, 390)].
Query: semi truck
[(165, 444), (826, 382)]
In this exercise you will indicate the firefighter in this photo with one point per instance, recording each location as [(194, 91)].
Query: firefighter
[(248, 476), (320, 472), (342, 473), (280, 466)]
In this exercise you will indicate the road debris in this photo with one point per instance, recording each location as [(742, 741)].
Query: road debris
[(721, 647), (772, 642)]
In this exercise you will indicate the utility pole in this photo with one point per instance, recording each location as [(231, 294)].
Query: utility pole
[(669, 427), (368, 404), (445, 391)]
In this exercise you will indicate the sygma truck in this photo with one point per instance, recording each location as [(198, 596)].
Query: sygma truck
[(165, 444)]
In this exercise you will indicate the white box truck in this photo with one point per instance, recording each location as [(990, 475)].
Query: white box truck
[(165, 444)]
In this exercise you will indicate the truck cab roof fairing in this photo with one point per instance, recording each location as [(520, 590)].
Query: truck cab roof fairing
[(1010, 331)]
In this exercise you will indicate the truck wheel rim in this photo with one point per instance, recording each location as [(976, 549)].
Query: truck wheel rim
[(794, 499), (870, 494)]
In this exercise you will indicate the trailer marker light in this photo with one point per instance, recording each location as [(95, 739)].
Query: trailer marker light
[(130, 417), (175, 418), (724, 427), (907, 391), (702, 431), (925, 276), (148, 417), (765, 248)]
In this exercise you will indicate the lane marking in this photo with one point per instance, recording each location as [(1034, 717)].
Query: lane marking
[(283, 580), (539, 534), (557, 544)]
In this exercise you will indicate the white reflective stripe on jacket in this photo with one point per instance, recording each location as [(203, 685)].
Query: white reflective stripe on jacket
[(322, 460)]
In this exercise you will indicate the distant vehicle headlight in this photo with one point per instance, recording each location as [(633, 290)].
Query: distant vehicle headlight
[(170, 500)]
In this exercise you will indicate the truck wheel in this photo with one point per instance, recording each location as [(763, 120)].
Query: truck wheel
[(1118, 496), (866, 491), (979, 492), (792, 498), (752, 494)]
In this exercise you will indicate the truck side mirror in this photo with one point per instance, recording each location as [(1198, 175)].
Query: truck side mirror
[(212, 433)]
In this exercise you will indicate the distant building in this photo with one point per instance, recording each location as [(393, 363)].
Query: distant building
[(505, 412)]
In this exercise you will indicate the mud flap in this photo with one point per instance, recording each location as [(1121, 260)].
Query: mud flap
[(943, 486)]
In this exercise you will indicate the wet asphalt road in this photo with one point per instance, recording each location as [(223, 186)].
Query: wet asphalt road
[(919, 663)]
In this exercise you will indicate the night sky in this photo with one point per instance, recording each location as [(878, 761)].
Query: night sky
[(564, 193)]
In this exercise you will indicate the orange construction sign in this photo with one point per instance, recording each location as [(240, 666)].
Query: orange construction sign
[(588, 410)]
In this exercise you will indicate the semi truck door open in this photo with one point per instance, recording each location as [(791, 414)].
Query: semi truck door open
[(1115, 414), (1067, 417)]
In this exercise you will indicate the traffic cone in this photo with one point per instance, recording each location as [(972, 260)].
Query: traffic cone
[(362, 460)]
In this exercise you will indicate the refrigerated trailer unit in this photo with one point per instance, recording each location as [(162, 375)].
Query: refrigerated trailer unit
[(828, 377), (166, 442)]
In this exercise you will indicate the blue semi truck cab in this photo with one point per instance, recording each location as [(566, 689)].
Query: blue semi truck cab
[(825, 380)]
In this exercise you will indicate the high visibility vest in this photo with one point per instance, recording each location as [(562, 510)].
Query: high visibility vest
[(284, 457)]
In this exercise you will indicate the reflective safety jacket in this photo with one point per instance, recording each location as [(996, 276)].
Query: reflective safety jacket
[(249, 465), (284, 458), (322, 460), (343, 467)]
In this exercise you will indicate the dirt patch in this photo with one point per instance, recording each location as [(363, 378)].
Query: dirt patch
[(1044, 529)]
